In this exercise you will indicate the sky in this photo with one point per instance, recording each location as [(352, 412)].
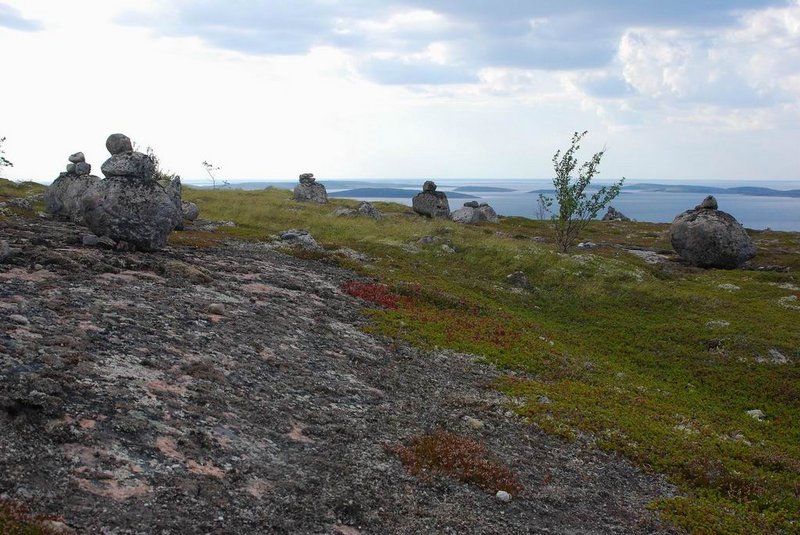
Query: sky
[(269, 89)]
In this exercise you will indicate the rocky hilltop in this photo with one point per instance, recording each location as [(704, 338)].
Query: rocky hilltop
[(231, 389)]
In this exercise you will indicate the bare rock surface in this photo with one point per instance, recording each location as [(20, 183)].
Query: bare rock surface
[(231, 390)]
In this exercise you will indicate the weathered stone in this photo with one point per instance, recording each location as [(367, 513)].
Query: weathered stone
[(709, 203), (472, 204), (190, 210), (78, 157), (307, 178), (83, 169), (615, 215), (172, 186), (92, 240), (518, 279), (345, 212), (487, 213), (139, 213), (706, 237), (369, 210), (119, 144), (133, 165), (303, 238), (5, 250), (64, 198), (431, 203), (311, 192), (466, 215), (71, 168)]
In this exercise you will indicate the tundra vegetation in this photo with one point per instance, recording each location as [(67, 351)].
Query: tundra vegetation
[(658, 362)]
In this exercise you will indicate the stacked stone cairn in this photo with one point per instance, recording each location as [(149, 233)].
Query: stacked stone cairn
[(130, 205), (431, 203), (708, 237), (64, 198), (309, 190), (615, 215), (474, 212)]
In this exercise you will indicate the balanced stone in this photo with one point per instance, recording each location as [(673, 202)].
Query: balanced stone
[(132, 165), (307, 178), (707, 237), (431, 203), (472, 204), (473, 212), (119, 144), (709, 203), (78, 157), (615, 215), (83, 168), (71, 168)]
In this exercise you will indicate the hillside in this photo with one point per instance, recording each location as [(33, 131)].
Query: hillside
[(128, 400)]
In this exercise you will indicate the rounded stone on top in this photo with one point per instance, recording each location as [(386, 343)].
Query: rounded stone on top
[(307, 178), (119, 144), (78, 157), (709, 203), (429, 186)]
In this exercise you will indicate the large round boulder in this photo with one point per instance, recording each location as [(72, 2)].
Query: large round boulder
[(119, 144), (139, 213), (431, 203), (706, 237)]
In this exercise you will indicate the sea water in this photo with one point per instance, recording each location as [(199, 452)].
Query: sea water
[(755, 212)]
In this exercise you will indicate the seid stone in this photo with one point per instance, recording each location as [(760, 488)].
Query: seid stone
[(78, 157), (131, 165), (119, 144), (431, 203), (64, 197), (615, 215), (711, 238), (137, 212), (307, 178)]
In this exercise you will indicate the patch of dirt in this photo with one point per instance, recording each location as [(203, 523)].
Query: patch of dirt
[(127, 408)]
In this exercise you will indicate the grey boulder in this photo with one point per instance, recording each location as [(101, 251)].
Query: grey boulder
[(190, 210), (118, 144), (133, 165), (706, 238), (83, 168), (310, 191), (488, 213), (139, 213), (64, 197), (369, 210), (78, 157), (467, 215)]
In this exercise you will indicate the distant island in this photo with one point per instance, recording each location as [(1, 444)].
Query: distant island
[(709, 190), (484, 189), (391, 193)]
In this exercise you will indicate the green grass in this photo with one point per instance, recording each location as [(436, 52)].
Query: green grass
[(621, 348)]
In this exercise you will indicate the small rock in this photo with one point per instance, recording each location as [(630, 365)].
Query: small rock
[(83, 168), (93, 240), (345, 212), (71, 168), (368, 210), (78, 157), (615, 215), (473, 423), (729, 287), (775, 357), (503, 496), (756, 414), (709, 203), (518, 279), (544, 400), (717, 324), (54, 526), (190, 210), (5, 250), (216, 308), (18, 319), (429, 240), (586, 245), (447, 249), (471, 204)]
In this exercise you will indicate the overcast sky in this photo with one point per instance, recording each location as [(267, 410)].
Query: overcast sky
[(702, 89)]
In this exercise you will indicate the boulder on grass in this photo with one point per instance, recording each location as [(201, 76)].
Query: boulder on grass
[(706, 237), (472, 212), (615, 215)]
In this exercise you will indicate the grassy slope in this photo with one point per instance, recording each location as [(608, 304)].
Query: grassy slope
[(620, 348)]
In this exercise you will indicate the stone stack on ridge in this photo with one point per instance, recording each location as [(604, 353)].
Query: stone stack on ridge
[(310, 190), (130, 206), (708, 237), (615, 215), (431, 203), (64, 198), (474, 212)]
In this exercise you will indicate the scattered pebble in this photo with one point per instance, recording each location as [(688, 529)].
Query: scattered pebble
[(717, 324), (447, 249), (21, 320), (503, 496), (216, 308), (756, 414), (474, 423), (729, 287)]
